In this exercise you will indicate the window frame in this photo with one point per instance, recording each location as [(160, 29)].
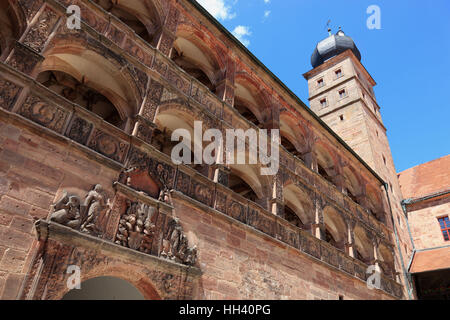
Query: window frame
[(339, 70), (445, 228)]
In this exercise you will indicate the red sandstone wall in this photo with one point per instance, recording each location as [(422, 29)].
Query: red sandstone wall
[(34, 171), (240, 263)]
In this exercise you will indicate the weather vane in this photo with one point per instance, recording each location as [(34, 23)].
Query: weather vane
[(328, 27)]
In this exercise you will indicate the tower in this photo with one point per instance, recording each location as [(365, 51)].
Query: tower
[(341, 94)]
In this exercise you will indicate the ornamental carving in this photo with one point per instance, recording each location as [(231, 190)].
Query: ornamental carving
[(8, 94), (175, 244), (39, 33), (108, 145), (44, 113), (88, 216), (137, 227)]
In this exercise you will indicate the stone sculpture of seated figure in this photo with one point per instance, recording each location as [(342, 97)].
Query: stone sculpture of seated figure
[(67, 211)]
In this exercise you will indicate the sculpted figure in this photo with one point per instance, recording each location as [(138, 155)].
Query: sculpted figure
[(94, 204), (67, 211), (164, 195)]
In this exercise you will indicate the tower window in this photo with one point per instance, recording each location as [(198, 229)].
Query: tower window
[(323, 103), (445, 227), (384, 160), (341, 117), (320, 83), (342, 94), (338, 73)]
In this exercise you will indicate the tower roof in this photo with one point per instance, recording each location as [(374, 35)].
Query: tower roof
[(332, 46)]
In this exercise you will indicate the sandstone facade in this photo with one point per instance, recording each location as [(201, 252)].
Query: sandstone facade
[(87, 179)]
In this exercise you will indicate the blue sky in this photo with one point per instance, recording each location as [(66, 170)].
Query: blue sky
[(409, 58)]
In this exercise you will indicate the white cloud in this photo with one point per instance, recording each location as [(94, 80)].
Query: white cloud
[(267, 13), (266, 1), (241, 33), (218, 9)]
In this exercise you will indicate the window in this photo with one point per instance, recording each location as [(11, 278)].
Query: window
[(445, 227), (341, 297), (320, 83), (384, 160), (338, 73), (341, 117), (323, 103), (342, 94)]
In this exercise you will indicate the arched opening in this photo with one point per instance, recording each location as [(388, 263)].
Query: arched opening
[(375, 204), (9, 26), (292, 139), (325, 163), (351, 184), (248, 105), (246, 113), (298, 207), (195, 61), (238, 185), (246, 181), (138, 15), (335, 228), (96, 83), (291, 217), (105, 288), (168, 119), (363, 246), (386, 261), (78, 92)]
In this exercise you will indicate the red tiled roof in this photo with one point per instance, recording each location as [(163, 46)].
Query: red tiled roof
[(426, 179), (429, 260)]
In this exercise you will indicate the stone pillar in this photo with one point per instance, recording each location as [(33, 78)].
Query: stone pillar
[(277, 201), (311, 161), (221, 174), (350, 243), (225, 91), (318, 227), (167, 33), (27, 53), (376, 254)]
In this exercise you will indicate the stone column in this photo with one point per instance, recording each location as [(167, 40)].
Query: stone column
[(376, 254), (350, 243), (27, 53), (276, 201), (166, 35), (318, 227), (225, 88)]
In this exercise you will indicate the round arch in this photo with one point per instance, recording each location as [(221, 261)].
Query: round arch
[(293, 133), (192, 54), (96, 72), (249, 174), (300, 203), (325, 161), (104, 288), (170, 117), (335, 227), (12, 25), (144, 17), (363, 245), (386, 258), (134, 278), (352, 183), (375, 203)]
